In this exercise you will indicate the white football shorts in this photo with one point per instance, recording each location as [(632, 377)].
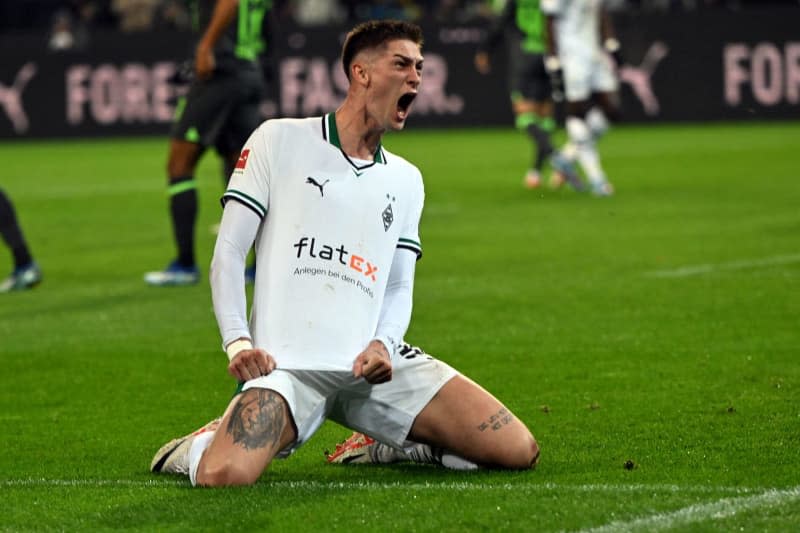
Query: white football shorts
[(385, 411), (584, 75)]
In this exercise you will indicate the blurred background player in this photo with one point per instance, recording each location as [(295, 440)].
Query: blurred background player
[(523, 26), (221, 109), (575, 29), (26, 273)]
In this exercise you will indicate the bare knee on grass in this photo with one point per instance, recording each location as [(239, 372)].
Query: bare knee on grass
[(522, 453), (506, 443), (225, 473)]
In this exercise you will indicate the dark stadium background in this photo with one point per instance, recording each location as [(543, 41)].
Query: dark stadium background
[(685, 60)]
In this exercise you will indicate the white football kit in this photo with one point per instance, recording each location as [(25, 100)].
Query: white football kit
[(329, 231), (587, 67)]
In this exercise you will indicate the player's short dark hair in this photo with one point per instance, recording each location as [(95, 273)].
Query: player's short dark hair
[(374, 34)]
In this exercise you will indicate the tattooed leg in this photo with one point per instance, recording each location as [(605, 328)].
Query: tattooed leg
[(257, 419), (468, 422), (257, 425)]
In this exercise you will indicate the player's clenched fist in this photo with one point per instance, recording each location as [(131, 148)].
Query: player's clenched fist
[(373, 364), (251, 363)]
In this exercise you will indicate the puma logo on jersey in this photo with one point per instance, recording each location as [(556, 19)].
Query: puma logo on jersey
[(318, 185)]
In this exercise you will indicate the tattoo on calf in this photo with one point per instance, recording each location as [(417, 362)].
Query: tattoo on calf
[(503, 417), (257, 420)]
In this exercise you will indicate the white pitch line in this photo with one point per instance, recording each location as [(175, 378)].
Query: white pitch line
[(702, 512), (91, 483), (693, 270), (398, 485)]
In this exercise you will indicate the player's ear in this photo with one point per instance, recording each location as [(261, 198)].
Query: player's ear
[(359, 73)]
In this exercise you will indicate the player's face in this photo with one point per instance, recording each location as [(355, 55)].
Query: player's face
[(395, 75)]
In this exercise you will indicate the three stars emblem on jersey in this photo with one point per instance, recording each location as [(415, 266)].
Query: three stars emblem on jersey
[(388, 215)]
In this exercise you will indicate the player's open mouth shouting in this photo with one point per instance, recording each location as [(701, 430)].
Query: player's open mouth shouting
[(404, 105)]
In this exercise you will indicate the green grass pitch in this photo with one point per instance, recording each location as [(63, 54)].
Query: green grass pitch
[(659, 327)]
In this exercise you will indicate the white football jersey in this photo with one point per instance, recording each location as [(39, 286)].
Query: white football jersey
[(330, 228), (577, 25)]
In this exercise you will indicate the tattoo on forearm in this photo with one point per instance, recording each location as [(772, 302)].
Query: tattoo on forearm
[(257, 419), (503, 417)]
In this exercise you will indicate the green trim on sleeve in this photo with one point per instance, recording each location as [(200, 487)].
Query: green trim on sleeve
[(412, 245), (247, 200)]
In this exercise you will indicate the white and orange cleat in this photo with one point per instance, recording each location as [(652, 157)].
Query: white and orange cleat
[(355, 449), (361, 449), (173, 457)]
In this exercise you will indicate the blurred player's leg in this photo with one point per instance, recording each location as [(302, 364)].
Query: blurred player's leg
[(201, 122), (586, 78), (539, 127), (26, 273), (533, 108), (597, 122), (183, 197), (564, 171), (580, 135), (12, 233), (182, 190)]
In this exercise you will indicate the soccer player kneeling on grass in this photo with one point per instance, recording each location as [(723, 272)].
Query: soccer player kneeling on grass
[(334, 217)]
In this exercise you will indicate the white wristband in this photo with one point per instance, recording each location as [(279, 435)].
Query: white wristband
[(389, 343), (237, 346)]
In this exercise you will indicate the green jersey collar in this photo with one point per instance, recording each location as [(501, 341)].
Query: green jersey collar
[(331, 134)]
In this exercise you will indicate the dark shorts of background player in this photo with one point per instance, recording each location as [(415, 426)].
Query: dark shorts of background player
[(529, 78), (222, 111)]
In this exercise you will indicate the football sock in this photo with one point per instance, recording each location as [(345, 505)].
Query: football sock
[(454, 462), (384, 454), (580, 135), (12, 233), (183, 208), (199, 445), (539, 129), (597, 122)]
